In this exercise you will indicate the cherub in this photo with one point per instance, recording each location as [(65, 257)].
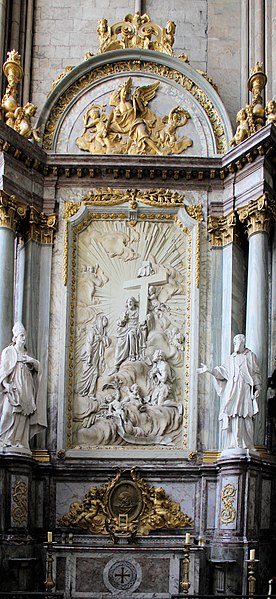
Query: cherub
[(96, 123), (270, 110), (177, 118), (243, 129), (23, 121)]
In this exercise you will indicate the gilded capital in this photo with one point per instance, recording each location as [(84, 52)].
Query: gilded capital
[(258, 215), (11, 211), (41, 226), (223, 229)]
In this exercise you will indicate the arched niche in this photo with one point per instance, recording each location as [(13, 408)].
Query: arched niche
[(94, 80)]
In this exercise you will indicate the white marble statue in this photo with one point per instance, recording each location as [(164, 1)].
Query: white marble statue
[(238, 383), (22, 410), (93, 355), (131, 336)]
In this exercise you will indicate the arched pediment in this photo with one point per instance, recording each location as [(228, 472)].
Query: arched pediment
[(178, 90)]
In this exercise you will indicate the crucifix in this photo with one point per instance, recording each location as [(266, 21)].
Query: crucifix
[(138, 6), (142, 284)]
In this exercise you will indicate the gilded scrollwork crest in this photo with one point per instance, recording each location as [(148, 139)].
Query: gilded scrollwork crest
[(136, 31), (125, 506)]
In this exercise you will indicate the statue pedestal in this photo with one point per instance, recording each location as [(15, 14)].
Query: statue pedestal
[(239, 452), (18, 451)]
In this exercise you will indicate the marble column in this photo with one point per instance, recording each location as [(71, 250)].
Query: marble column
[(257, 217), (10, 214), (228, 315), (36, 294)]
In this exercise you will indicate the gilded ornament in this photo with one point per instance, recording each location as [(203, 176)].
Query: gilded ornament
[(12, 212), (205, 75), (125, 507), (270, 111), (20, 499), (160, 198), (131, 127), (61, 76), (130, 66), (41, 227), (252, 117), (188, 232), (136, 31), (228, 513), (223, 229), (17, 117), (258, 215)]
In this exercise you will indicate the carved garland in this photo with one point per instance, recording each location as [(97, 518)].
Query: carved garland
[(132, 66)]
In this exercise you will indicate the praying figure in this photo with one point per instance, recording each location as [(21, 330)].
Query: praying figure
[(238, 383)]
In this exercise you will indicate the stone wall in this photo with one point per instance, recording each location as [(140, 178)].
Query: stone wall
[(209, 32)]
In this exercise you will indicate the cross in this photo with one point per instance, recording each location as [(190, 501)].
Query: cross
[(143, 283), (122, 574)]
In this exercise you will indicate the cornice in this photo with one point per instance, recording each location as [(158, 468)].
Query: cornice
[(197, 172)]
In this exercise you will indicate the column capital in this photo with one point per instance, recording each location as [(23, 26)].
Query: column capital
[(222, 229), (258, 215), (41, 227), (11, 211)]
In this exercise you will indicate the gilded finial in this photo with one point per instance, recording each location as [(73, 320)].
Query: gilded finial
[(15, 116), (251, 118)]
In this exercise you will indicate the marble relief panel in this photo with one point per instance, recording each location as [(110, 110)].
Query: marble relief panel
[(252, 502), (130, 327), (211, 490)]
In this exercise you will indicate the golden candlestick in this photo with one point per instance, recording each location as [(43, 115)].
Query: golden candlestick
[(185, 583), (252, 563), (49, 582)]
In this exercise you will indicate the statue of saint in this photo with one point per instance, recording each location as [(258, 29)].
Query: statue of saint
[(238, 383), (161, 378), (93, 355), (22, 414)]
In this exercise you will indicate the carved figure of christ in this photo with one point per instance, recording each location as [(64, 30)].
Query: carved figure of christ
[(142, 284)]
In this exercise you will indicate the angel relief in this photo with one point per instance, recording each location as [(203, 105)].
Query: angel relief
[(132, 127)]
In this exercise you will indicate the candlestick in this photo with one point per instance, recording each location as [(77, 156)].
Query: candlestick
[(252, 554), (185, 583), (49, 582), (187, 538), (252, 564)]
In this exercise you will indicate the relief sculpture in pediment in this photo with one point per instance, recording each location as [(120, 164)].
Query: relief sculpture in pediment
[(132, 127)]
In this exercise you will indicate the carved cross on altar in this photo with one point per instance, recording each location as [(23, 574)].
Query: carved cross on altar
[(143, 283)]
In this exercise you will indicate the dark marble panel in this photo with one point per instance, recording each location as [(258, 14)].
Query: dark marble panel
[(60, 573), (89, 575), (155, 575)]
